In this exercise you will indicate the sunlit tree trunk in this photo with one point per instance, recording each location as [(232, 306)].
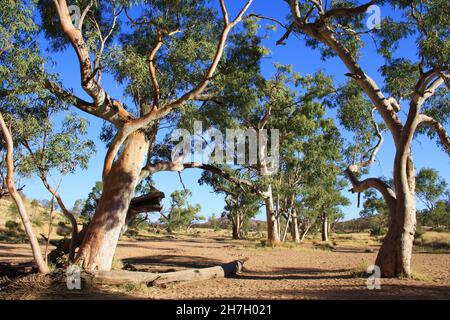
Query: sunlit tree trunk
[(35, 249), (237, 225), (273, 235), (304, 232), (294, 228), (324, 228), (100, 242), (394, 257)]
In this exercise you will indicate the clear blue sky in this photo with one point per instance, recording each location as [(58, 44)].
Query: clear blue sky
[(304, 60)]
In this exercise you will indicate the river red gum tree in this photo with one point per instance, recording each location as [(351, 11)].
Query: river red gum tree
[(323, 28), (134, 140)]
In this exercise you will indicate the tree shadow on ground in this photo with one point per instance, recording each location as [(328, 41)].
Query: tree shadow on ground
[(295, 274), (353, 292)]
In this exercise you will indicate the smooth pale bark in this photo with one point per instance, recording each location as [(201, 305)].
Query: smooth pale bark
[(35, 249), (237, 224), (324, 228), (286, 228), (69, 215), (394, 257), (294, 229), (98, 247), (273, 235), (304, 232)]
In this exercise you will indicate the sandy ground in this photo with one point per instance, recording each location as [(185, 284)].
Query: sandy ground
[(280, 273)]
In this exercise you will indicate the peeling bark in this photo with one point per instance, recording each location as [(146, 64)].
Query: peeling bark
[(99, 244)]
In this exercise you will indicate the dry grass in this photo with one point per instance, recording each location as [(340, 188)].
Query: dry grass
[(39, 217), (433, 241)]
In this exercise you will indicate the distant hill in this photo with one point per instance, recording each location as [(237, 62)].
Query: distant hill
[(11, 228), (356, 225)]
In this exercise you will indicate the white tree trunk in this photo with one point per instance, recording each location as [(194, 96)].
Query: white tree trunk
[(35, 249)]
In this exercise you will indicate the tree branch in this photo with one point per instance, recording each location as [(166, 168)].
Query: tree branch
[(349, 11), (102, 100), (198, 89), (178, 167), (438, 128), (117, 116)]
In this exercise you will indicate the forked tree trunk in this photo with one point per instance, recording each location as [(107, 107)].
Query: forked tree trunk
[(97, 250), (394, 257), (304, 232), (325, 228), (273, 235), (237, 226)]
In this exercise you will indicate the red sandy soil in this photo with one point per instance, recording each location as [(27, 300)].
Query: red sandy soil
[(270, 273)]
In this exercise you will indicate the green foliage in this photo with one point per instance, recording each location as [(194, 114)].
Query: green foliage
[(431, 190), (430, 187), (78, 206), (46, 149), (13, 210), (214, 222), (12, 225), (373, 205), (375, 208), (181, 214), (90, 204)]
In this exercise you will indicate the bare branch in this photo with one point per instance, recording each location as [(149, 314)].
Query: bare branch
[(361, 186), (355, 168), (199, 88), (151, 67), (83, 15), (178, 167), (438, 128), (92, 88), (224, 12), (116, 115), (349, 11)]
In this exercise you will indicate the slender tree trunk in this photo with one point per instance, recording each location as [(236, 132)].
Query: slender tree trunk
[(273, 235), (294, 229), (69, 215), (325, 228), (237, 226), (36, 250), (286, 228), (100, 242), (304, 232)]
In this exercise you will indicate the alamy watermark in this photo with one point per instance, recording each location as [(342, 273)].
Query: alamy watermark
[(209, 146), (374, 280), (75, 14), (374, 15), (73, 277)]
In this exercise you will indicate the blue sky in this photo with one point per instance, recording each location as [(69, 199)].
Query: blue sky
[(304, 60)]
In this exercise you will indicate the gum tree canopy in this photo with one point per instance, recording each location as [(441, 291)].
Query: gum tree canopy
[(414, 99), (166, 54)]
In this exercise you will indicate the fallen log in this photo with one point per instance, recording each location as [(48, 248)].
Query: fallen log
[(117, 277)]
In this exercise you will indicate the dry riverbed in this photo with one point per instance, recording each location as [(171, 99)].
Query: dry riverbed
[(293, 272)]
